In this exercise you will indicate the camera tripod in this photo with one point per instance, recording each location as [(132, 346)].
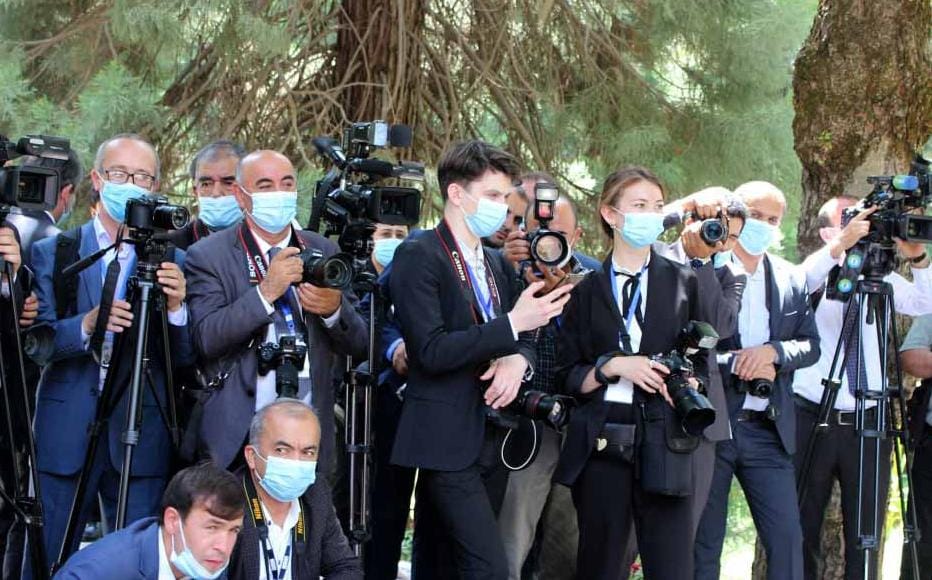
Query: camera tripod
[(144, 294), (875, 297), (24, 497)]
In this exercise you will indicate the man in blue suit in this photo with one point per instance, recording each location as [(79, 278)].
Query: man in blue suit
[(202, 515), (767, 348), (126, 167)]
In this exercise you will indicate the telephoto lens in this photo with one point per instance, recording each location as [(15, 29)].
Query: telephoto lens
[(333, 272)]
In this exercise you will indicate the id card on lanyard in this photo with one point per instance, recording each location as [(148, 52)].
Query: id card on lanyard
[(484, 299), (622, 391)]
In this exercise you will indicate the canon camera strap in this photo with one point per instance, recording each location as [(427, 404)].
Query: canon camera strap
[(199, 230), (481, 309), (256, 264), (275, 569)]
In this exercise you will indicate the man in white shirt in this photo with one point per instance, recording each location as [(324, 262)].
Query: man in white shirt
[(291, 529), (202, 515), (836, 453)]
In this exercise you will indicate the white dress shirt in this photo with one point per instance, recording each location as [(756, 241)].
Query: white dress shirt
[(165, 567), (265, 385), (754, 323), (475, 259), (622, 391), (280, 539), (910, 298), (126, 255)]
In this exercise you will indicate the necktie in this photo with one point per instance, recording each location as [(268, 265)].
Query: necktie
[(628, 290), (282, 327), (853, 351), (103, 313)]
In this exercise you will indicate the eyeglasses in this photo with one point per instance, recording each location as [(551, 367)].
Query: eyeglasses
[(207, 185), (119, 177)]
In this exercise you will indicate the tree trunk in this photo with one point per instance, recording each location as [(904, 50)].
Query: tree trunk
[(863, 106)]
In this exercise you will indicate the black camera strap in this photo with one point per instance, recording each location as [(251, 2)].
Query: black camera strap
[(461, 269), (199, 230), (111, 279), (298, 532)]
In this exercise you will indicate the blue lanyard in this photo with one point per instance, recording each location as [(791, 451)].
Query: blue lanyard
[(282, 304), (620, 299), (485, 302)]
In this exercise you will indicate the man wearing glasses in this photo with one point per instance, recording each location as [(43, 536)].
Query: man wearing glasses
[(213, 175), (126, 167)]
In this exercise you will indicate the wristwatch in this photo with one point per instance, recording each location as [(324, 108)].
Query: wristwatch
[(601, 362)]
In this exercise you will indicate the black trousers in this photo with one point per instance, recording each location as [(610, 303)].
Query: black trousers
[(456, 531), (836, 457), (392, 486), (608, 498), (922, 490)]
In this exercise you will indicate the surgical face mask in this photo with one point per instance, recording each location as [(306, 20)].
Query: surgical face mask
[(640, 229), (721, 258), (384, 250), (188, 565), (273, 211), (756, 236), (220, 212), (115, 195), (287, 479), (487, 219), (67, 213)]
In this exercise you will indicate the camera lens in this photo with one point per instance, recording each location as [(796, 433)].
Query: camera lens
[(712, 231), (333, 272), (550, 248)]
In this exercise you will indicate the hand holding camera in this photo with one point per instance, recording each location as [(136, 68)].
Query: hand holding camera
[(284, 270), (9, 249), (506, 374), (532, 312), (30, 311), (848, 236), (172, 282), (695, 245), (517, 249), (642, 371), (323, 302), (751, 363)]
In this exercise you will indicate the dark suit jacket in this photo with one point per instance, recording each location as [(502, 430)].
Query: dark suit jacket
[(590, 328), (32, 227), (227, 313), (326, 554), (186, 236), (68, 390), (720, 291), (793, 334), (443, 419), (128, 554)]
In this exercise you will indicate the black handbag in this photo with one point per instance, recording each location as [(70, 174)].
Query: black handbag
[(665, 461)]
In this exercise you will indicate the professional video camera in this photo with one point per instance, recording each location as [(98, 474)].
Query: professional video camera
[(349, 198), (286, 358), (692, 407), (711, 230), (874, 256), (28, 186)]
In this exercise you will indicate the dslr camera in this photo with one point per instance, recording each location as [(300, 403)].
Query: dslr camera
[(333, 272), (153, 213), (28, 186), (532, 404), (711, 230), (351, 199), (286, 358), (548, 247), (874, 256), (692, 407)]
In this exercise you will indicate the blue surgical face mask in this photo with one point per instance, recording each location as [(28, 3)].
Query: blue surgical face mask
[(756, 236), (273, 211), (721, 258), (115, 195), (640, 229), (287, 479), (220, 212), (384, 250), (188, 565), (487, 219)]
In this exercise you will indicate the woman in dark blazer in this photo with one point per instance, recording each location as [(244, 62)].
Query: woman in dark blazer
[(625, 456)]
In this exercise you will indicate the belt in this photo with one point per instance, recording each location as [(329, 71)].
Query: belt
[(747, 415), (835, 417)]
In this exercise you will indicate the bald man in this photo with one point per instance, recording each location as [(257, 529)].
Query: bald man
[(245, 290), (126, 167)]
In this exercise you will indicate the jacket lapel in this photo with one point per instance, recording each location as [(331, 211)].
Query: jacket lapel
[(604, 284), (775, 303), (90, 281), (659, 302), (149, 551)]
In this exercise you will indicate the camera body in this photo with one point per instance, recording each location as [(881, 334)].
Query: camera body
[(762, 388), (874, 256), (153, 213), (548, 247), (711, 230), (286, 358), (693, 408), (28, 186), (333, 272), (350, 198), (533, 404)]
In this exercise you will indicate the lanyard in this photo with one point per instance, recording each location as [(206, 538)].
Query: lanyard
[(465, 275), (199, 230), (624, 338), (256, 264), (488, 309), (298, 532)]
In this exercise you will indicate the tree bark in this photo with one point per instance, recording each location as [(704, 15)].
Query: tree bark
[(863, 106)]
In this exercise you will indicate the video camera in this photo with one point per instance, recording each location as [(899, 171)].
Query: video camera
[(894, 196), (349, 198), (28, 186), (692, 407)]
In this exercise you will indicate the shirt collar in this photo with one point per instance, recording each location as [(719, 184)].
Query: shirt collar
[(165, 567), (104, 239), (264, 246), (291, 520), (616, 269)]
